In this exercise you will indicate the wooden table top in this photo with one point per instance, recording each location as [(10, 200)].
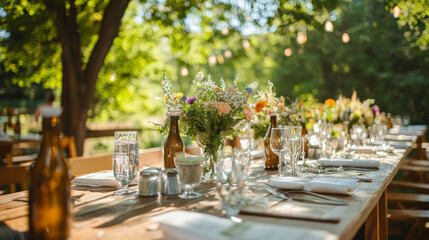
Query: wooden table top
[(98, 214)]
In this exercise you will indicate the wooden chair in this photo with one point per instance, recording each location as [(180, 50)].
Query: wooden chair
[(11, 175)]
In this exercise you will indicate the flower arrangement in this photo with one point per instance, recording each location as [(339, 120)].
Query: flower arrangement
[(290, 114), (210, 114)]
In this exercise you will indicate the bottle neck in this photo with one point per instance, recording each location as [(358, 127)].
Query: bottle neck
[(273, 121), (174, 124), (50, 128)]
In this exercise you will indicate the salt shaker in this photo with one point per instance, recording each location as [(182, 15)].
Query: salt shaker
[(149, 182), (170, 182)]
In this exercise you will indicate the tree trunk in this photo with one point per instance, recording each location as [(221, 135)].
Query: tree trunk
[(78, 83)]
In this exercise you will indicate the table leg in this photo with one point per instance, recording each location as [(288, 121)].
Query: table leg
[(382, 212), (372, 225)]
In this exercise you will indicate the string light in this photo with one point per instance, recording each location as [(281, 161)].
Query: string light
[(225, 31), (329, 27), (184, 71), (212, 61), (246, 44), (228, 53), (396, 12), (112, 77), (220, 59), (288, 52), (345, 38), (302, 37)]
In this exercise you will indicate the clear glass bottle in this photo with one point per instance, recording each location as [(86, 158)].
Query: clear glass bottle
[(271, 159), (49, 192), (174, 143)]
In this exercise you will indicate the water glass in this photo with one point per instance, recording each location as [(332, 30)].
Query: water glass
[(293, 136), (278, 146), (230, 184), (125, 159)]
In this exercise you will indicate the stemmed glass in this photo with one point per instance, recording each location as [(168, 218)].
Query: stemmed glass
[(125, 159), (293, 134), (230, 183), (278, 146), (190, 173)]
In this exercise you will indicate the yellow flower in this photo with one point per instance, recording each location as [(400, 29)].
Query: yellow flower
[(178, 95)]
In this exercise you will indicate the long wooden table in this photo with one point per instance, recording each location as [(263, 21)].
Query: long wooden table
[(98, 214)]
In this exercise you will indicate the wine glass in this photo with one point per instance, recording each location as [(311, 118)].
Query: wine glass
[(293, 135), (125, 159), (278, 145), (190, 173)]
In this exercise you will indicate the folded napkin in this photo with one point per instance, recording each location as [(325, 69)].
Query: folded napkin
[(194, 226), (343, 162), (257, 154), (99, 179), (369, 149), (343, 186), (401, 145)]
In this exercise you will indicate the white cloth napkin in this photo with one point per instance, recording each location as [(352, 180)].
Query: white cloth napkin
[(343, 162), (99, 179), (343, 186), (257, 154), (194, 226)]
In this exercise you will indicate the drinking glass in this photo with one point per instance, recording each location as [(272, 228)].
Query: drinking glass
[(293, 136), (278, 146), (190, 173), (125, 159), (230, 185)]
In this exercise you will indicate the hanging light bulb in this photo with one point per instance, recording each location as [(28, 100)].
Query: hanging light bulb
[(329, 27), (184, 71), (288, 52), (212, 61), (228, 53), (302, 37), (396, 12), (225, 31), (112, 77), (246, 44), (345, 38), (220, 59)]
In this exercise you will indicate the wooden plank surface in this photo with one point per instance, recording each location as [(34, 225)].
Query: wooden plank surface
[(98, 214)]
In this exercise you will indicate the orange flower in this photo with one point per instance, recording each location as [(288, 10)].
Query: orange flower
[(219, 89), (165, 97), (330, 102), (260, 105), (299, 104)]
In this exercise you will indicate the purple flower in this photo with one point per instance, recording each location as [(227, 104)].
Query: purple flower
[(249, 90), (375, 110), (230, 87), (190, 100), (184, 99)]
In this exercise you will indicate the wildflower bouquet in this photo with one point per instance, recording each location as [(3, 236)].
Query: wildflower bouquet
[(291, 114), (211, 114), (266, 103)]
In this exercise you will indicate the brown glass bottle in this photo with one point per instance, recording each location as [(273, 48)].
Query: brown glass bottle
[(174, 143), (17, 127), (389, 121), (49, 194), (271, 159)]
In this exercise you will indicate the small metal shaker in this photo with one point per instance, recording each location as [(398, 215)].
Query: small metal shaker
[(149, 182), (170, 182)]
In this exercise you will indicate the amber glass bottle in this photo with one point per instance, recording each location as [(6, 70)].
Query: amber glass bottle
[(173, 143), (49, 194), (271, 159), (17, 127), (389, 121)]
